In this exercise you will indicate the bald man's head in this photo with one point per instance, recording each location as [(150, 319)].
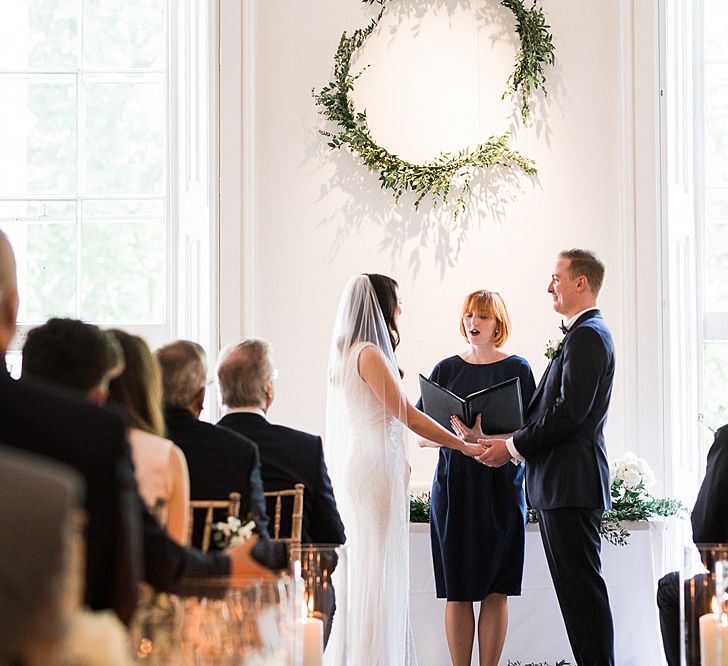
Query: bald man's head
[(8, 293)]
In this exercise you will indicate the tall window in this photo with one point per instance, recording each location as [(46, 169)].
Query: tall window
[(84, 159), (714, 226)]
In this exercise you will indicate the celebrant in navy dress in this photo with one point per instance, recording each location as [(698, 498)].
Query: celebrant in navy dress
[(478, 514)]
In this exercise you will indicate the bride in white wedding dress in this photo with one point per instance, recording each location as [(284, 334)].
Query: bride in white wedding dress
[(366, 454)]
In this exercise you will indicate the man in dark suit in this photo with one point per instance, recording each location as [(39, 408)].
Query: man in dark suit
[(287, 456), (562, 443), (710, 525), (123, 541), (220, 461)]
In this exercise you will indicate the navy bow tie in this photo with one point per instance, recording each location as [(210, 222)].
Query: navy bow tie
[(563, 328)]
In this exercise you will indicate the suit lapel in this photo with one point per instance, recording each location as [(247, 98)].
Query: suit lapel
[(537, 392), (576, 324)]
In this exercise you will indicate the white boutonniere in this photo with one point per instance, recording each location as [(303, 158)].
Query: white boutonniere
[(232, 532), (553, 349)]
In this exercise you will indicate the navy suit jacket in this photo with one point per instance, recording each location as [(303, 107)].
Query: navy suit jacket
[(563, 439), (124, 542), (219, 462), (93, 441), (710, 514), (287, 457)]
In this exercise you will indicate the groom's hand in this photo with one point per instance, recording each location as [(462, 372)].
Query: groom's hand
[(496, 452)]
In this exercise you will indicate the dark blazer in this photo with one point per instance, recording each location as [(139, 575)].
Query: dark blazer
[(563, 440), (93, 442), (710, 513), (124, 542), (220, 462), (288, 457)]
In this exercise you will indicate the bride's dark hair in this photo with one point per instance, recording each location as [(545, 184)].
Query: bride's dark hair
[(385, 289)]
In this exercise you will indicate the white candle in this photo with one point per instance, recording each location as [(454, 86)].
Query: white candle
[(313, 641), (713, 640)]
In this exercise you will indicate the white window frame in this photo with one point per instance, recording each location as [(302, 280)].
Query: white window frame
[(191, 175)]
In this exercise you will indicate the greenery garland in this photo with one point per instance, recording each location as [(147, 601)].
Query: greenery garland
[(633, 504), (437, 176)]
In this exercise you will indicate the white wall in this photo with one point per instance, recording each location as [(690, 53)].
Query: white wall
[(298, 220)]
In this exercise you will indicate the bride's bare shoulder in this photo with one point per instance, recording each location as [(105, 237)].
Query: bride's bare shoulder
[(369, 357)]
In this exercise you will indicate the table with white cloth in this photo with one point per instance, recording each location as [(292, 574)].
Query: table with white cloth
[(536, 630)]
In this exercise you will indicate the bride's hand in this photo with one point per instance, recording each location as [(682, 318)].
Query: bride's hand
[(467, 434), (472, 450)]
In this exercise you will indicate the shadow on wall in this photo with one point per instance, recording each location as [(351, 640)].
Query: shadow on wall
[(432, 227)]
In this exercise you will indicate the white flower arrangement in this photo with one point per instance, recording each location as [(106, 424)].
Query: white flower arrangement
[(633, 472), (631, 480), (232, 532)]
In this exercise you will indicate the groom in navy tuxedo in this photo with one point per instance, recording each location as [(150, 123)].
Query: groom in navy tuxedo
[(562, 444)]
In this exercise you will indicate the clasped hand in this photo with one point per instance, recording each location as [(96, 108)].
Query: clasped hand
[(493, 449)]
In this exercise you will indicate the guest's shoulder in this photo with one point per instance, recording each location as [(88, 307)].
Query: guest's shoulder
[(72, 407), (285, 432), (141, 437), (223, 433)]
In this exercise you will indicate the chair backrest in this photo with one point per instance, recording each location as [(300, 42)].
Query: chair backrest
[(232, 504), (296, 515)]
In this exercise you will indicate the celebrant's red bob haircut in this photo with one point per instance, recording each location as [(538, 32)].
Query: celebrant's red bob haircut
[(491, 304)]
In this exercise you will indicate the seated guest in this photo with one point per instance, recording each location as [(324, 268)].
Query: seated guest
[(710, 525), (41, 419), (220, 461), (40, 500), (160, 466), (287, 456), (167, 568), (79, 356)]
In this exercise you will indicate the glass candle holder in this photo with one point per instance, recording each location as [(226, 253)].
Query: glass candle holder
[(227, 623), (155, 627), (703, 583), (322, 571)]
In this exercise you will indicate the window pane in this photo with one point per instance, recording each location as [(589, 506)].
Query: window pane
[(716, 17), (43, 235), (715, 387), (37, 34), (124, 34), (125, 138), (37, 135), (716, 125), (123, 262), (716, 275)]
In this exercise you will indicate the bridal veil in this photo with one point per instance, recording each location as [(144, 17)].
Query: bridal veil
[(366, 454)]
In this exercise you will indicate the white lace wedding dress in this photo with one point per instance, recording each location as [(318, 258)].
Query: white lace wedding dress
[(370, 475)]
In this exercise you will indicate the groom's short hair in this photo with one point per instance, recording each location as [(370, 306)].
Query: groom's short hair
[(586, 263)]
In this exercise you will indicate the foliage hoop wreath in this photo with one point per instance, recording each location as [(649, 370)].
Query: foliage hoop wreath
[(437, 176)]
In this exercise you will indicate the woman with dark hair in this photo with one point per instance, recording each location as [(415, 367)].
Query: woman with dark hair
[(478, 513), (159, 465), (366, 451)]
